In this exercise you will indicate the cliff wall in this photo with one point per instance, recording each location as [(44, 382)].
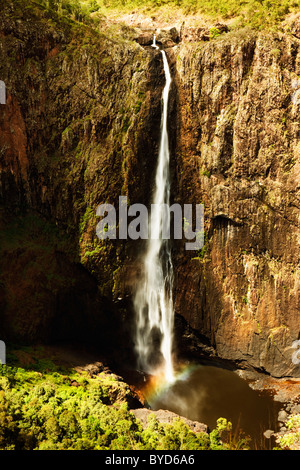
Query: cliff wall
[(81, 127), (238, 149)]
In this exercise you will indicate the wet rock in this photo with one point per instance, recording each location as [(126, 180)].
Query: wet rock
[(119, 88), (235, 138), (174, 34)]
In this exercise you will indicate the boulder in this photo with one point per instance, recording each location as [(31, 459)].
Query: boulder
[(268, 433), (282, 416), (145, 39)]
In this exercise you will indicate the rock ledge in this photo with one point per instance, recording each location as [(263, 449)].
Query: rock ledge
[(166, 416)]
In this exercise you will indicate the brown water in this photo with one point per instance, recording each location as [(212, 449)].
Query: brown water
[(206, 393)]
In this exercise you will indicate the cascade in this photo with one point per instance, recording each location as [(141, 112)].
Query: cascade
[(153, 300)]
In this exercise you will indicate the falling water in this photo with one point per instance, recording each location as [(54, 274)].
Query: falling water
[(153, 300)]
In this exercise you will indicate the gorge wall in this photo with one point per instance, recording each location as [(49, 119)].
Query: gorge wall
[(238, 150), (81, 127)]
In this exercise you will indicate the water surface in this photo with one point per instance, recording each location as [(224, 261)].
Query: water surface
[(205, 393)]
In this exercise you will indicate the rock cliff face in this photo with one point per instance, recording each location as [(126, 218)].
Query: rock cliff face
[(81, 128), (238, 149)]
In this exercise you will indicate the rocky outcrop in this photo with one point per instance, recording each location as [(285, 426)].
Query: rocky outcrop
[(295, 26), (238, 153), (165, 416), (170, 37), (201, 33)]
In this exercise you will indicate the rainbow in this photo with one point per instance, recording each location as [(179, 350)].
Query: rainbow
[(157, 385)]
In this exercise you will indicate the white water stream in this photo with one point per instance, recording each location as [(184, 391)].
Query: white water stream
[(153, 300)]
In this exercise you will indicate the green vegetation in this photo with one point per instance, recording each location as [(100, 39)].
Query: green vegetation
[(203, 251), (89, 214), (259, 14), (214, 33), (46, 407), (206, 173), (291, 440)]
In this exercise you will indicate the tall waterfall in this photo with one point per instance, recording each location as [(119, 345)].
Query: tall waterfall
[(153, 300)]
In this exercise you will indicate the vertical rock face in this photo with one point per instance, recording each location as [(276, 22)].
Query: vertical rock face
[(238, 152), (80, 128)]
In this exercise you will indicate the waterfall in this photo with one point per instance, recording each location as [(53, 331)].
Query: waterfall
[(153, 301)]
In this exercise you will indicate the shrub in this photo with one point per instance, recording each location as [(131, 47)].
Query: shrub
[(41, 410), (291, 440)]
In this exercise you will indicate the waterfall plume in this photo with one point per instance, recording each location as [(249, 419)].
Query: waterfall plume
[(153, 300)]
